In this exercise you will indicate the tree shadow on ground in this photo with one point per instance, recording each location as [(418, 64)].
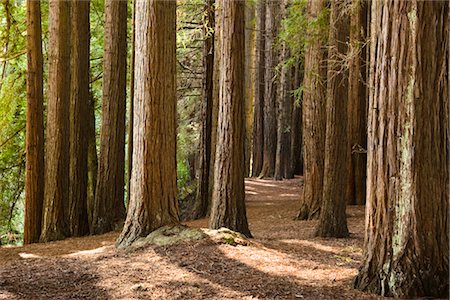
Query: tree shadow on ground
[(210, 263), (55, 278)]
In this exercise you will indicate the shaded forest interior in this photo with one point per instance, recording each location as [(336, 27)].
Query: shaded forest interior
[(268, 149)]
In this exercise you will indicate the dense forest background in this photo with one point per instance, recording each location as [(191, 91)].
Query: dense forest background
[(13, 67)]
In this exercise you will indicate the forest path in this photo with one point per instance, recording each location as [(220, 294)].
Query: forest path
[(283, 261)]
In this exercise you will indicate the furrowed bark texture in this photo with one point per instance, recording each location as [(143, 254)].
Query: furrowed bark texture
[(79, 125), (314, 119), (407, 245), (153, 199), (56, 193), (333, 220), (202, 202), (109, 208), (34, 178), (228, 202)]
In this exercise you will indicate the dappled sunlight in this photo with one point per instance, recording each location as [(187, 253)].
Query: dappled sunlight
[(90, 252), (29, 255)]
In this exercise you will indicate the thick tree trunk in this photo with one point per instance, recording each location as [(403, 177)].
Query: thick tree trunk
[(202, 202), (34, 179), (258, 112), (249, 80), (284, 114), (407, 244), (228, 202), (270, 112), (56, 194), (79, 107), (357, 97), (153, 201), (109, 209), (333, 220), (314, 117)]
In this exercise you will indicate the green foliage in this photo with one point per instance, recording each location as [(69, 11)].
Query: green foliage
[(12, 116), (300, 29)]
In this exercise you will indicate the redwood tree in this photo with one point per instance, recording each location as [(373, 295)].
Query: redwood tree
[(270, 112), (357, 104), (284, 105), (153, 198), (202, 201), (314, 117), (79, 123), (228, 201), (57, 145), (34, 179), (258, 111), (109, 208), (333, 221), (407, 245)]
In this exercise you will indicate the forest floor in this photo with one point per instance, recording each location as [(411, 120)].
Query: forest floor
[(282, 261)]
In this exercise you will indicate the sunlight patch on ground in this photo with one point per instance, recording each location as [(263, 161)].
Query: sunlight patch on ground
[(6, 295), (90, 252), (28, 255)]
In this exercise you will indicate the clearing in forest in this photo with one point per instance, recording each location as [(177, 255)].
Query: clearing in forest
[(282, 261)]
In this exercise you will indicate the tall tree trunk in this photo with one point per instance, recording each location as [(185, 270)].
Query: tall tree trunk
[(249, 80), (79, 107), (333, 220), (357, 97), (153, 201), (202, 202), (258, 112), (284, 114), (228, 202), (314, 117), (407, 244), (109, 209), (270, 113), (92, 162), (34, 179), (296, 167), (131, 107), (56, 193), (215, 108)]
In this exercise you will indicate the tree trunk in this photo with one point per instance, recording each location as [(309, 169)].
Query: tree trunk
[(92, 162), (56, 193), (258, 112), (357, 97), (333, 220), (270, 113), (131, 107), (296, 167), (249, 80), (228, 201), (153, 201), (215, 108), (202, 202), (79, 107), (109, 207), (314, 117), (34, 179), (284, 114), (407, 244)]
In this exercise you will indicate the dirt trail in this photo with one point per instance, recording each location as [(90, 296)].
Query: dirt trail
[(283, 261)]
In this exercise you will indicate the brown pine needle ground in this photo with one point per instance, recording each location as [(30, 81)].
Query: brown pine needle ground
[(283, 261)]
